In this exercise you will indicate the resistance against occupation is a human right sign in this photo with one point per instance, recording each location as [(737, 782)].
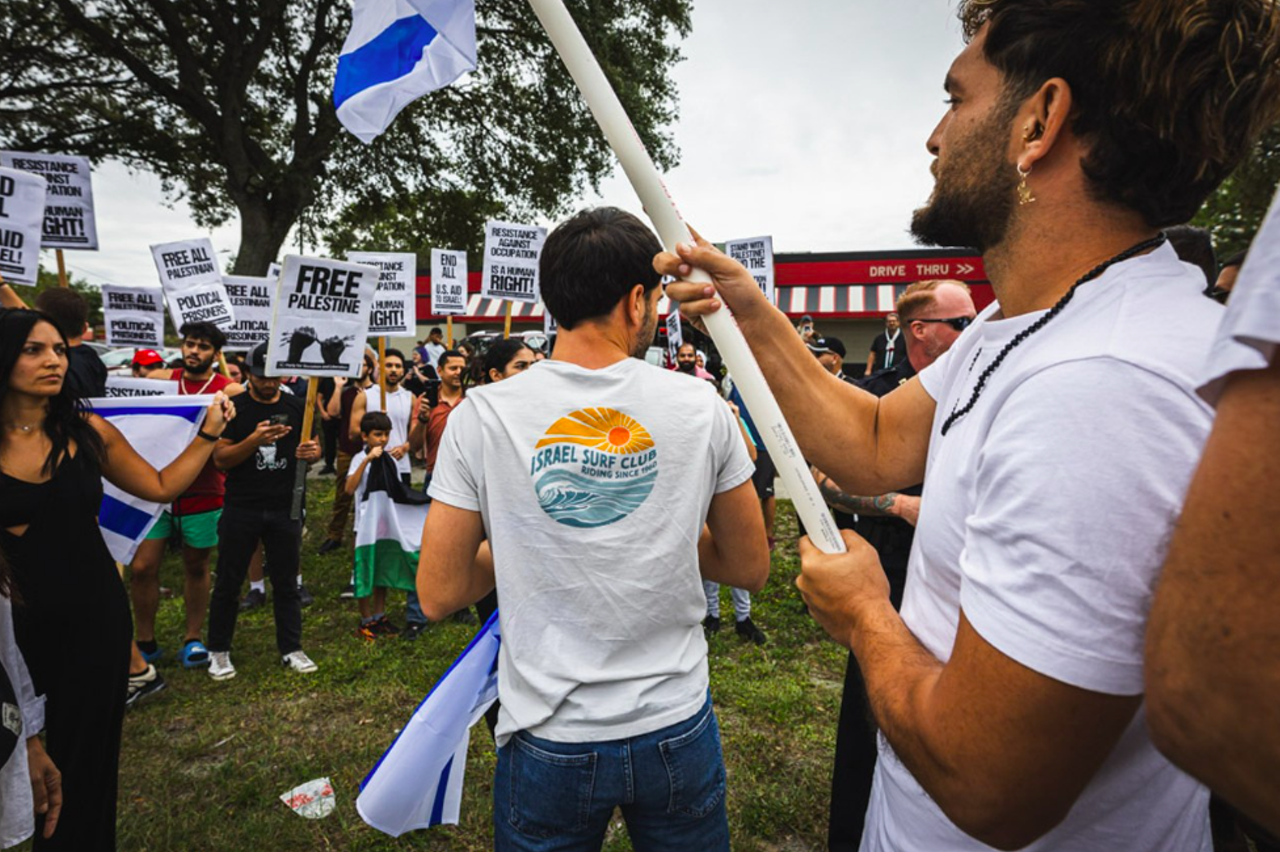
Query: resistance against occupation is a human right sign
[(192, 283), (21, 210), (321, 317), (511, 255), (393, 304), (251, 300), (68, 216), (756, 254), (448, 282), (134, 316)]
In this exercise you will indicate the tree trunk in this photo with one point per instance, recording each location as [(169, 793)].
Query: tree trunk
[(262, 234)]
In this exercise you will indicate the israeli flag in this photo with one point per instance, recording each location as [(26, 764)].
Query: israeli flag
[(159, 428), (418, 782), (398, 51)]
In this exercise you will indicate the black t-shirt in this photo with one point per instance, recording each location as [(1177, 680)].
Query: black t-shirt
[(880, 347), (265, 479), (86, 374)]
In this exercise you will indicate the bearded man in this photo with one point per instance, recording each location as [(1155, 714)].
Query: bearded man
[(1056, 438)]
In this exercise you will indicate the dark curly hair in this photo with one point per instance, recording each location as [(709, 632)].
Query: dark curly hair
[(1169, 96), (66, 418)]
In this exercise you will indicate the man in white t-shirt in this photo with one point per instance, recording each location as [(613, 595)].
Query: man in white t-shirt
[(433, 348), (399, 406), (1213, 682), (1055, 439), (609, 489)]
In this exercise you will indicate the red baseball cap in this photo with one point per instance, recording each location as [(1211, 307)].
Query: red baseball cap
[(146, 358)]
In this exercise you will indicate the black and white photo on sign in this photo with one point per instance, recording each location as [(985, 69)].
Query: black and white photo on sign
[(192, 283), (448, 282), (68, 216), (134, 316), (121, 386), (393, 310), (321, 317), (756, 254), (251, 302), (675, 337), (511, 255), (22, 202)]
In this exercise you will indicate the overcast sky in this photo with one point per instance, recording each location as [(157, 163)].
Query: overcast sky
[(805, 121)]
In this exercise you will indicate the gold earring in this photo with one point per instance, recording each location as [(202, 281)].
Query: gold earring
[(1025, 196)]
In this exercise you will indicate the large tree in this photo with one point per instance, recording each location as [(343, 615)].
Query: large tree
[(229, 103), (1234, 213)]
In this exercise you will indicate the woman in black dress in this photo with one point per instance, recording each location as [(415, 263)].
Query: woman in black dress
[(73, 626)]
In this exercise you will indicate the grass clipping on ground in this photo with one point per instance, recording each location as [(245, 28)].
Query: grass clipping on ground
[(203, 762)]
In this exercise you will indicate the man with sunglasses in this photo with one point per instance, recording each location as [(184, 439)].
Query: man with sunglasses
[(932, 313)]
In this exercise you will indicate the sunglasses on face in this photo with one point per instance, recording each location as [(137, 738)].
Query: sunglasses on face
[(958, 323)]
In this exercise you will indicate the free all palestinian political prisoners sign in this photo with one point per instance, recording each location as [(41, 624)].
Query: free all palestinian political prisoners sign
[(321, 317), (511, 255), (251, 301), (393, 309), (448, 282), (21, 210), (192, 283), (756, 254), (68, 212), (134, 316)]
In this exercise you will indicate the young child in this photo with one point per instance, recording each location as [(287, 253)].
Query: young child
[(375, 431)]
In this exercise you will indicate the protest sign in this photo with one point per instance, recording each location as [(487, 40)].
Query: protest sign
[(22, 205), (511, 261), (675, 337), (321, 317), (393, 309), (251, 301), (68, 214), (192, 283), (134, 316), (549, 324), (122, 386), (273, 271), (756, 254), (448, 282)]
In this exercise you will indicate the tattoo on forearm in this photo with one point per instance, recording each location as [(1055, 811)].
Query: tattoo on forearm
[(853, 504)]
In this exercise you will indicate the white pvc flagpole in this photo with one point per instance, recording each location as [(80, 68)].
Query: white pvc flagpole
[(661, 209)]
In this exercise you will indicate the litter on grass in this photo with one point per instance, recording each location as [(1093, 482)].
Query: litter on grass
[(313, 800)]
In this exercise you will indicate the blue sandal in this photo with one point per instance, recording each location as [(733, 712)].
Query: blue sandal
[(194, 654)]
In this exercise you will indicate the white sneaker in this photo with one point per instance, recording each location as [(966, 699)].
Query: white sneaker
[(220, 667), (299, 662)]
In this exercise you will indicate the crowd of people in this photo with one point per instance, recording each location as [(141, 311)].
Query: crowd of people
[(1038, 566)]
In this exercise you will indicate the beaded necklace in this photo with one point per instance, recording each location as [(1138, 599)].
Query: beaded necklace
[(1128, 253)]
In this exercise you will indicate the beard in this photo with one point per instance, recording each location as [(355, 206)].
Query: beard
[(647, 331), (200, 368), (973, 201)]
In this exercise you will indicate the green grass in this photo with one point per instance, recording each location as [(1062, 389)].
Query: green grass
[(204, 763)]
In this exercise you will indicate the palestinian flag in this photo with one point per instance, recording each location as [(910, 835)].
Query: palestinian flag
[(389, 534)]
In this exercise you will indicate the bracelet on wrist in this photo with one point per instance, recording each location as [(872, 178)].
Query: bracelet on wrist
[(207, 436)]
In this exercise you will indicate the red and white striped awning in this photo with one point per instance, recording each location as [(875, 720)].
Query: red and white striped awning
[(480, 309)]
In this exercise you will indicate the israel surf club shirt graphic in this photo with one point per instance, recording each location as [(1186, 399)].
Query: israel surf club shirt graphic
[(594, 467)]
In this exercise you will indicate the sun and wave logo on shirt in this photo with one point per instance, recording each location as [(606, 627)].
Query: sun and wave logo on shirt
[(594, 467)]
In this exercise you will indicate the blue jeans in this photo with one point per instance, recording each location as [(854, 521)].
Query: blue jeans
[(559, 797)]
